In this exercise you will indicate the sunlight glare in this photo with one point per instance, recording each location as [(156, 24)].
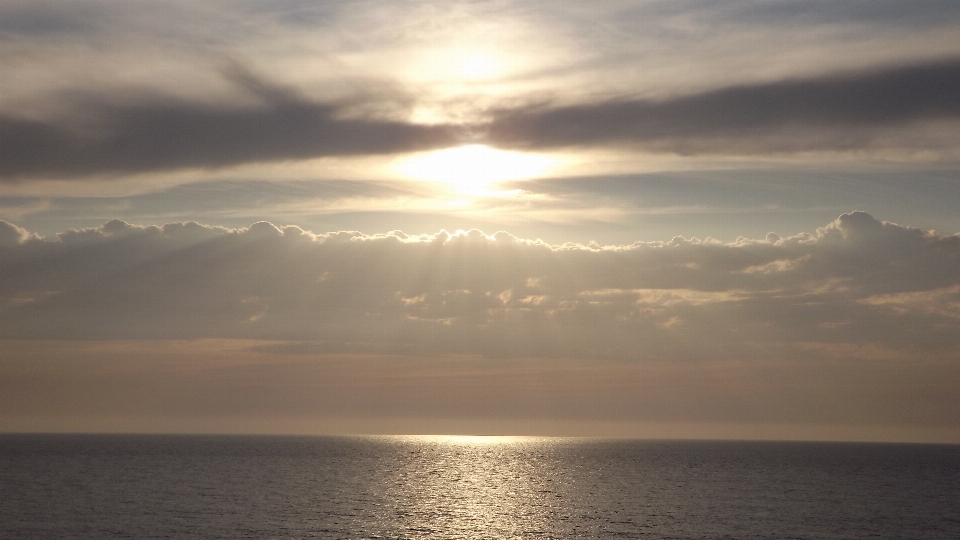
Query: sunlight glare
[(476, 439), (472, 169), (477, 66)]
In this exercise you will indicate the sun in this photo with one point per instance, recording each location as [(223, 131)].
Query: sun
[(473, 168), (477, 65)]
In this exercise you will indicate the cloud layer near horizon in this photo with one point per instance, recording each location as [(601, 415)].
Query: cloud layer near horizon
[(857, 288)]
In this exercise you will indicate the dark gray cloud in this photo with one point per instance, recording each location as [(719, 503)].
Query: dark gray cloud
[(45, 20), (855, 283), (889, 13), (155, 133), (807, 14), (837, 111)]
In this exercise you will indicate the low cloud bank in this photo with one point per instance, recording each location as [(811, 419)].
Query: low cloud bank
[(857, 287)]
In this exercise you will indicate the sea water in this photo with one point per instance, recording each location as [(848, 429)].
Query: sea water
[(122, 486)]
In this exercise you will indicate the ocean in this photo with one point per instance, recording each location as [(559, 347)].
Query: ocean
[(166, 486)]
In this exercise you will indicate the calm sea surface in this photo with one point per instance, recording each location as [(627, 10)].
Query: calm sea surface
[(436, 487)]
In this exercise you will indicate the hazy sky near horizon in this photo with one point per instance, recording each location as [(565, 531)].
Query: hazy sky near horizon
[(664, 218)]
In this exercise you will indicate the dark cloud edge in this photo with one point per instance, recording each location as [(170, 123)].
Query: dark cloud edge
[(834, 110), (843, 111)]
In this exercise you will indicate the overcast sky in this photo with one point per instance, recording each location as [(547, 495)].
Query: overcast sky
[(684, 218)]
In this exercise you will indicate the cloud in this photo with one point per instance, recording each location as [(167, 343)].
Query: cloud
[(889, 13), (11, 235), (149, 133), (855, 281), (146, 132), (835, 112), (105, 89)]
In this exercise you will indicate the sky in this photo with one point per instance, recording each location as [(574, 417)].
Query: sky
[(650, 218)]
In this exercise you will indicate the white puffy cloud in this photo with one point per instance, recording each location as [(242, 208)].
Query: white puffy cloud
[(855, 282), (11, 235)]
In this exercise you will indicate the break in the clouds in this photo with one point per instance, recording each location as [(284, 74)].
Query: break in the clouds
[(857, 286), (97, 88), (832, 113)]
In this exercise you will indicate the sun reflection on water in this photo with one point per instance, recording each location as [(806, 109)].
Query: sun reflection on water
[(476, 486), (475, 439)]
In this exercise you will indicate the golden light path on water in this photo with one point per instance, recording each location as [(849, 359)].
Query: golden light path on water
[(478, 486)]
